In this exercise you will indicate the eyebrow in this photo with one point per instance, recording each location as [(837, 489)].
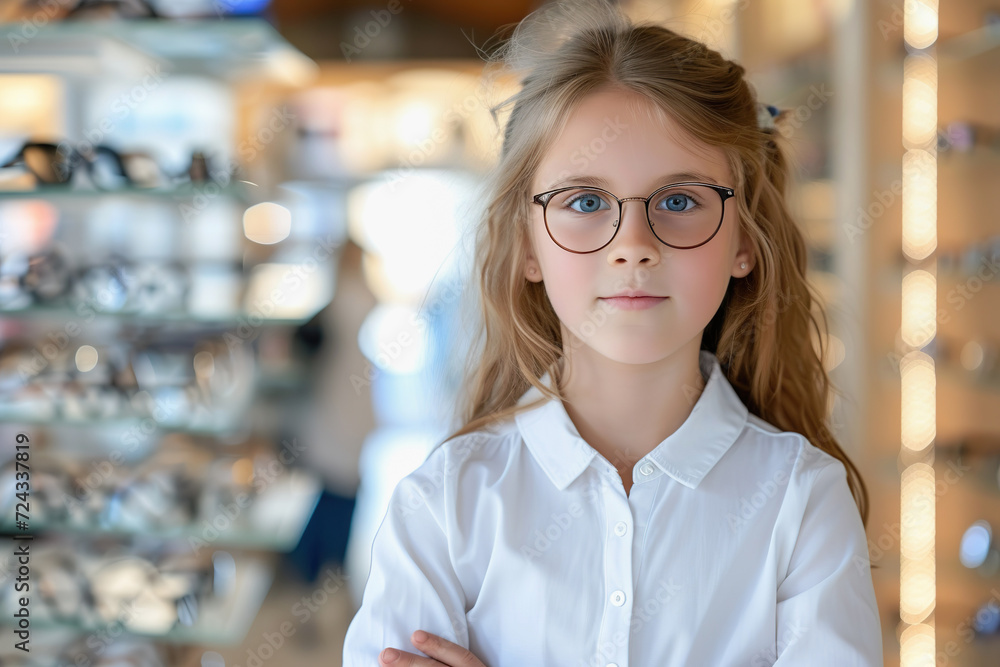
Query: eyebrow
[(586, 179)]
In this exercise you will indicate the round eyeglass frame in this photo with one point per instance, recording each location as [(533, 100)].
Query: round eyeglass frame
[(543, 198)]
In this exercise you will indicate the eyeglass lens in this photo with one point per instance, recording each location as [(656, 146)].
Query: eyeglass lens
[(585, 219)]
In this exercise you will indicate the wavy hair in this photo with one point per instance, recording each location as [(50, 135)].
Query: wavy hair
[(768, 333)]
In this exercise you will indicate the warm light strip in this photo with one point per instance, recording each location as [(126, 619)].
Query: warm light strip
[(919, 203), (919, 324), (920, 23), (918, 383), (918, 399), (916, 547)]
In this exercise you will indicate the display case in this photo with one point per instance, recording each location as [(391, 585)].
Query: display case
[(932, 245), (951, 90), (153, 272)]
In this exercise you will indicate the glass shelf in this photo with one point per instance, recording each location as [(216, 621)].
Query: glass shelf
[(277, 382), (971, 44), (236, 189), (298, 490), (232, 49), (965, 378), (221, 621), (224, 320), (220, 427), (953, 372)]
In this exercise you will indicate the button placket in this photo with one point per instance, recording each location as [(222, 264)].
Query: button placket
[(617, 577)]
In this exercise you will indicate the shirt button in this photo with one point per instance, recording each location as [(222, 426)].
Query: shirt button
[(646, 469), (621, 528), (618, 598), (612, 664)]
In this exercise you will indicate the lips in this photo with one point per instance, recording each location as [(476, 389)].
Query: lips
[(634, 302), (633, 293)]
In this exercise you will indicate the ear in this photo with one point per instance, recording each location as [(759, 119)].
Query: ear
[(532, 269), (744, 255)]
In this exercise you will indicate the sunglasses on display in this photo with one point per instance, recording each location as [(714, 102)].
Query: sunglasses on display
[(90, 9), (207, 385), (106, 168), (82, 587)]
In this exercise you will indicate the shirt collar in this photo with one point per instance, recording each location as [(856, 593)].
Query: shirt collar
[(687, 454)]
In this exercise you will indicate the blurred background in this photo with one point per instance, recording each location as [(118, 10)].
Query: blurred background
[(230, 269)]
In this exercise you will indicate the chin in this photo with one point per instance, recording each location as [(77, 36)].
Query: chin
[(633, 352)]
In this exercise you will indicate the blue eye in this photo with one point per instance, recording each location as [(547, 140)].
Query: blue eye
[(678, 203), (590, 202)]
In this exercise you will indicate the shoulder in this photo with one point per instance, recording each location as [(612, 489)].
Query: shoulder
[(448, 486), (476, 454), (817, 490), (478, 447), (804, 458)]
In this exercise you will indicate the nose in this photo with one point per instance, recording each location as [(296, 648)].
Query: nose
[(634, 242)]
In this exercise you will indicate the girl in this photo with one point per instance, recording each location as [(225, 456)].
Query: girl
[(645, 475)]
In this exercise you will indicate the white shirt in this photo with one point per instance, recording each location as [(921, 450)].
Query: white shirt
[(738, 544)]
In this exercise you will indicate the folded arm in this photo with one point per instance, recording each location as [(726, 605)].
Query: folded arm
[(826, 611), (411, 584)]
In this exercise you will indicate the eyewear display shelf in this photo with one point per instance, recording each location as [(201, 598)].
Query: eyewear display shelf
[(81, 53), (966, 344), (960, 70)]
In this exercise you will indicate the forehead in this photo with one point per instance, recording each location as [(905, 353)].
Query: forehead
[(625, 139)]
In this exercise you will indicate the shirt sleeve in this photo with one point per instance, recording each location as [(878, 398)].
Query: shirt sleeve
[(826, 608), (412, 584)]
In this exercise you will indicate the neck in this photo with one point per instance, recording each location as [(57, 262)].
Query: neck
[(625, 410)]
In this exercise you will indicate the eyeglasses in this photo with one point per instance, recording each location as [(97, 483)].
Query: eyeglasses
[(682, 215), (107, 168), (115, 8)]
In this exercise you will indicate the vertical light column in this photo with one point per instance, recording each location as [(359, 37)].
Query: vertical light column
[(918, 428)]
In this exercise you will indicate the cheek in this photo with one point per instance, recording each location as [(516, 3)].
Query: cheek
[(568, 283), (701, 281)]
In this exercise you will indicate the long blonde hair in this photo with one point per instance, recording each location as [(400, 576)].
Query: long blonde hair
[(763, 330)]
